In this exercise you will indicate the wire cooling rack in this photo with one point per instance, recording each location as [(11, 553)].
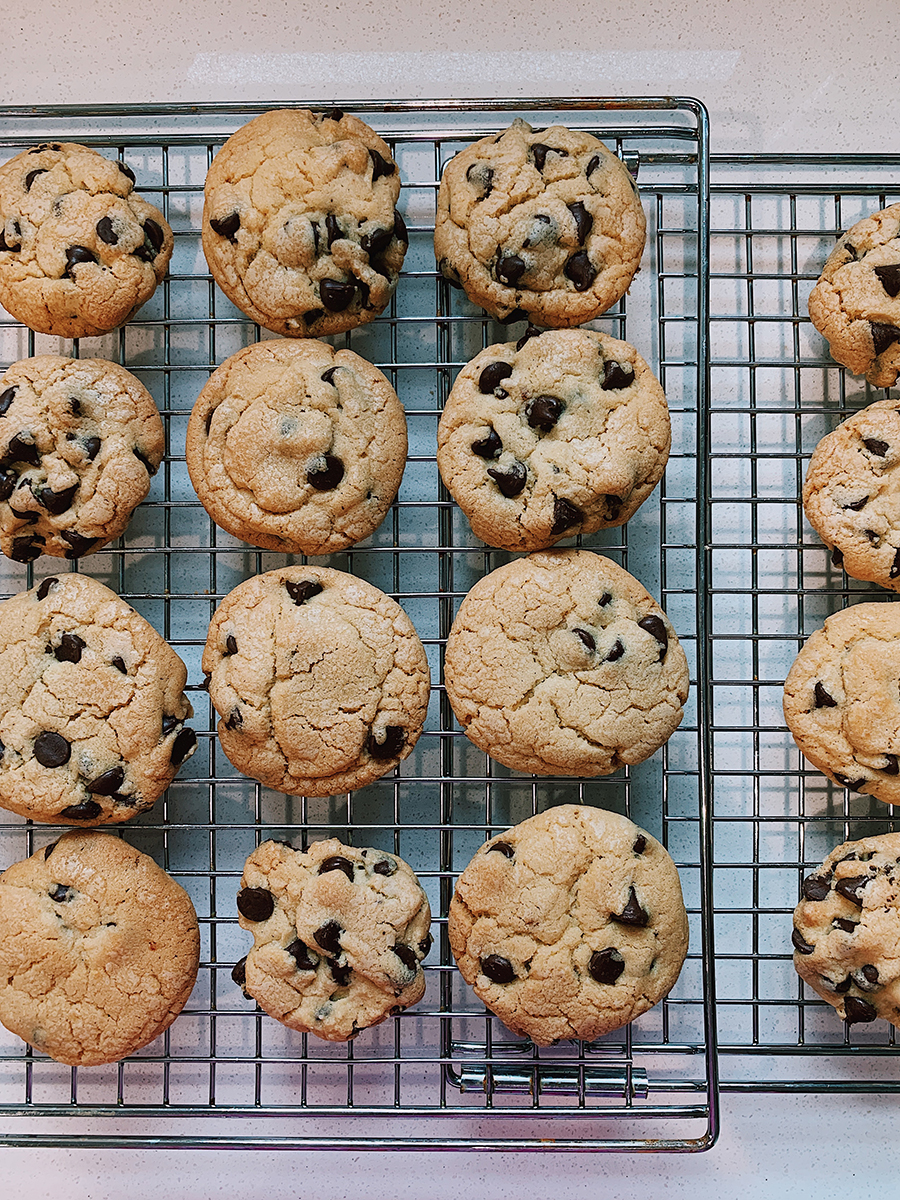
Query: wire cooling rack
[(444, 1074)]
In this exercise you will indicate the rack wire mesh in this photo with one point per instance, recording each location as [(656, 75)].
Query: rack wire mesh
[(444, 1074)]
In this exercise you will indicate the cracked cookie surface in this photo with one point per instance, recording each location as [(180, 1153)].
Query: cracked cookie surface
[(560, 433), (562, 663), (79, 441), (841, 702), (570, 924), (847, 930), (92, 705), (339, 936), (856, 303), (300, 225), (852, 494), (80, 252), (539, 223), (319, 678), (99, 946), (295, 446)]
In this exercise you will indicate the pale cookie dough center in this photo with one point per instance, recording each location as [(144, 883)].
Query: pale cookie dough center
[(268, 452), (871, 675)]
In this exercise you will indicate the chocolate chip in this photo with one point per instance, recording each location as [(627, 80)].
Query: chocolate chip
[(481, 179), (183, 746), (55, 503), (632, 913), (654, 626), (60, 893), (303, 590), (400, 231), (325, 472), (235, 719), (488, 447), (336, 296), (889, 278), (531, 331), (256, 904), (426, 943), (78, 544), (32, 175), (393, 741), (340, 975), (858, 1011), (604, 599), (333, 114), (869, 973), (592, 165), (239, 973), (492, 375), (857, 505), (616, 375), (13, 248), (91, 447), (51, 749), (226, 226), (30, 517), (845, 781), (580, 270), (565, 515), (814, 887), (44, 590), (328, 376), (107, 783), (640, 844), (449, 273), (543, 229), (587, 638), (386, 867), (380, 165), (851, 889), (503, 848), (125, 169), (843, 986), (875, 446), (543, 412), (337, 862), (26, 549), (87, 810), (374, 243), (21, 449), (510, 269), (333, 230), (8, 481), (48, 850), (154, 235), (106, 232), (497, 969), (892, 767), (583, 220), (76, 255), (895, 566), (231, 644), (606, 965), (800, 944), (613, 506), (407, 956), (69, 648), (517, 314), (6, 399), (510, 481), (883, 336), (616, 652), (540, 152), (328, 936), (822, 698), (846, 925), (837, 557), (302, 955), (169, 723), (141, 457)]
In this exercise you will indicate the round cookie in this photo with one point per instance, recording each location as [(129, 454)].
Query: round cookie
[(79, 441), (300, 225), (570, 924), (80, 252), (100, 949), (539, 223), (339, 935), (847, 930), (559, 433), (319, 678), (852, 494), (297, 447), (856, 303), (92, 706), (841, 702), (562, 664)]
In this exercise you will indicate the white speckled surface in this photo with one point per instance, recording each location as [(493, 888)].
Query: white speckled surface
[(791, 75)]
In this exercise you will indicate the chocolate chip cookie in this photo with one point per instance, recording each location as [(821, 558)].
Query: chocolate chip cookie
[(569, 925), (539, 223), (319, 678), (559, 433), (79, 441), (92, 706), (561, 663), (297, 447), (847, 930), (99, 946), (339, 935), (856, 303), (80, 252), (841, 702), (300, 223)]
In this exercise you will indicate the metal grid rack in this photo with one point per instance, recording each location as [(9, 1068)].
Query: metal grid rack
[(774, 392), (443, 1074)]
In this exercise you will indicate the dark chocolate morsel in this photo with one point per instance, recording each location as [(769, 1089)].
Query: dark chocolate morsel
[(333, 230), (481, 179), (616, 375), (231, 644), (337, 862), (328, 376), (235, 719), (48, 850), (400, 231), (604, 599), (5, 245), (126, 170), (488, 447), (895, 566), (30, 517), (302, 955), (497, 968), (492, 375), (325, 472), (517, 314), (889, 278), (858, 1011), (141, 457), (892, 767), (239, 972), (851, 250), (822, 698), (503, 848), (837, 557), (540, 152), (510, 269), (616, 652), (26, 549), (640, 844), (86, 811), (302, 591), (385, 867), (587, 638), (256, 904), (76, 255), (333, 114), (56, 502), (869, 973), (51, 749), (851, 889), (6, 399), (390, 746), (32, 175), (801, 945), (583, 220), (606, 965), (814, 887), (845, 781), (107, 783), (8, 481), (510, 481), (426, 943), (449, 273), (565, 515), (168, 723), (69, 648), (613, 506), (843, 986), (340, 975), (654, 626), (380, 165), (875, 446), (857, 505), (106, 232), (336, 296), (543, 412), (46, 584), (883, 336), (632, 913), (154, 235), (374, 243), (91, 447), (22, 450), (328, 936), (78, 544), (226, 226), (530, 332), (407, 956), (580, 270), (182, 746), (846, 925)]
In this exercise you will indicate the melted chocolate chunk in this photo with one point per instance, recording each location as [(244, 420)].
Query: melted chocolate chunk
[(542, 230), (51, 749), (493, 375), (837, 557), (87, 810), (374, 243), (604, 599), (6, 399), (531, 331), (481, 179), (302, 955), (851, 250), (565, 515), (654, 626), (543, 412), (69, 648), (124, 168), (616, 652), (800, 944), (632, 913), (540, 151), (26, 549), (616, 375), (337, 862), (822, 698), (488, 447), (106, 232), (583, 220), (55, 503), (44, 590), (182, 746), (231, 645), (302, 591), (400, 231), (227, 226), (843, 986), (845, 781), (846, 925), (325, 473), (91, 448), (340, 975), (503, 848), (107, 783), (497, 968), (640, 844), (380, 165), (852, 889), (239, 974), (78, 544), (407, 956), (586, 638), (21, 449), (256, 904), (592, 165), (889, 278), (333, 230), (892, 766), (875, 446), (510, 269), (152, 244), (328, 936), (8, 481), (858, 1011), (580, 270), (510, 481), (48, 850), (857, 505), (385, 867), (336, 296), (168, 723), (32, 175), (234, 720), (883, 336), (393, 742), (869, 974), (606, 965), (895, 566), (76, 255), (141, 457), (426, 943), (328, 376)]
